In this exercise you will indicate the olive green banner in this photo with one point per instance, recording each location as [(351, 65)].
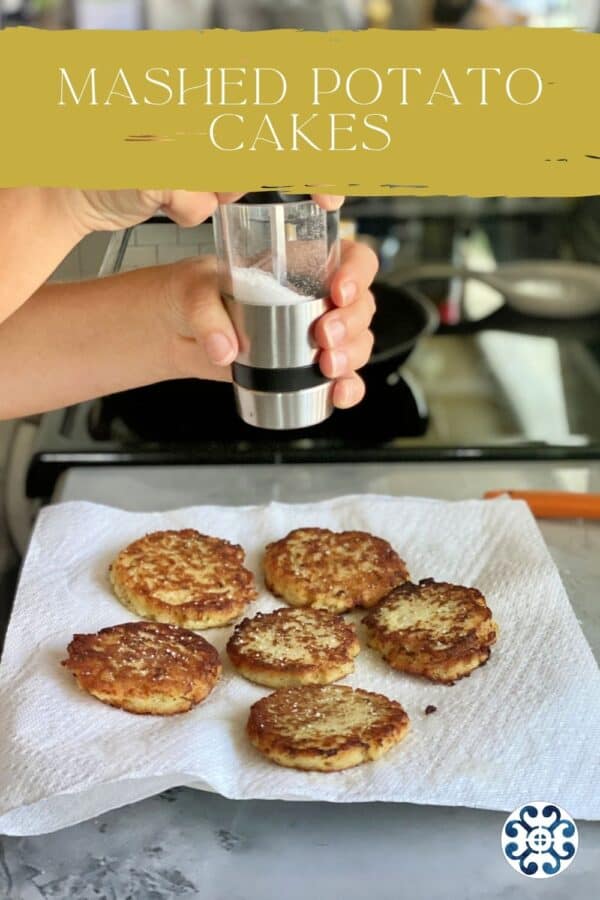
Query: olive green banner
[(503, 112)]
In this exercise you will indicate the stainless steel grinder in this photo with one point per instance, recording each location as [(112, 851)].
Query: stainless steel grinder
[(276, 256)]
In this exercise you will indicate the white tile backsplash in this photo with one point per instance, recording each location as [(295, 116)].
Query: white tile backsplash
[(170, 254), (186, 236), (91, 253), (84, 260), (155, 233), (149, 245), (139, 257)]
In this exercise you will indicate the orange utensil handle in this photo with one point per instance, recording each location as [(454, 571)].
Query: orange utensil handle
[(556, 504)]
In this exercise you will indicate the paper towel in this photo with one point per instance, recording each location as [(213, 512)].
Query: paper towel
[(524, 727)]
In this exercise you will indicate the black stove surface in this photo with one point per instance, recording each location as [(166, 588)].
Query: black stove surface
[(194, 412), (189, 422), (505, 387)]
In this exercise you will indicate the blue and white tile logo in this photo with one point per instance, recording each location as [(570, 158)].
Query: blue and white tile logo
[(539, 840)]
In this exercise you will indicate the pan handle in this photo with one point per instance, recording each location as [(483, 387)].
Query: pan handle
[(426, 271), (429, 324), (431, 311), (447, 270), (555, 504)]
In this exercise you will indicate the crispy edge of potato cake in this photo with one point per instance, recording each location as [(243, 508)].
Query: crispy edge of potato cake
[(304, 633), (426, 648), (310, 575), (213, 601), (148, 668), (325, 728)]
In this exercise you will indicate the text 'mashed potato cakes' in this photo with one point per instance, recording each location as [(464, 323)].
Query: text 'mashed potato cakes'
[(438, 630), (292, 647), (145, 667), (183, 578), (325, 728), (332, 570)]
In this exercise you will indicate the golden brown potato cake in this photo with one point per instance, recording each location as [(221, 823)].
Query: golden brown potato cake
[(332, 570), (183, 578), (293, 646), (325, 728), (438, 630), (145, 667)]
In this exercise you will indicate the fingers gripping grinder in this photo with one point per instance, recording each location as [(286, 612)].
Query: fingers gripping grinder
[(276, 255)]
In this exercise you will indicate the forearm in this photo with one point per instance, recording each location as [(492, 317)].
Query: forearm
[(37, 231), (71, 342)]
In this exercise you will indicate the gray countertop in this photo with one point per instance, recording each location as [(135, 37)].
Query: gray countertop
[(187, 843), (190, 844)]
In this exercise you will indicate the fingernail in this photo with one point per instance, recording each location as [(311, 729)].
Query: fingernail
[(346, 395), (219, 348), (339, 363), (336, 200), (335, 331), (348, 291)]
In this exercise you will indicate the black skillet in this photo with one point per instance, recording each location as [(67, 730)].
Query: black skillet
[(403, 316)]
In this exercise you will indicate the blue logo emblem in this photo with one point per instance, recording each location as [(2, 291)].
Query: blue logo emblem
[(539, 840)]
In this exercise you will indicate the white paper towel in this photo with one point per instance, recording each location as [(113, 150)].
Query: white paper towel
[(524, 727)]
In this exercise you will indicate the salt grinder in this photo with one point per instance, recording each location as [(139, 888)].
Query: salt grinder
[(276, 256)]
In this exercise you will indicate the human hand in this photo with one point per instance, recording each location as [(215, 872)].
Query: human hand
[(204, 342), (114, 210), (344, 332)]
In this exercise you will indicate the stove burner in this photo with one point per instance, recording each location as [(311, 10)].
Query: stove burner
[(193, 422), (188, 412)]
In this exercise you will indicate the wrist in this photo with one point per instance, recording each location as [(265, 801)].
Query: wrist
[(155, 316)]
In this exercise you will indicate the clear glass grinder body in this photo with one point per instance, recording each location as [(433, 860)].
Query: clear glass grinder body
[(276, 260)]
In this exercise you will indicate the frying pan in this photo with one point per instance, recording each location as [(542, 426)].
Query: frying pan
[(560, 288), (403, 316), (192, 410)]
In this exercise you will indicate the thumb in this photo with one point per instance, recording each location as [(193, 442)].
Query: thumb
[(188, 208), (210, 325)]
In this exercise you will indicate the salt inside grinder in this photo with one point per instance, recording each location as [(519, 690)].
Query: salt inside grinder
[(276, 255)]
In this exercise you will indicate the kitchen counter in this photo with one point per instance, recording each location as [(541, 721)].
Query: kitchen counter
[(186, 843)]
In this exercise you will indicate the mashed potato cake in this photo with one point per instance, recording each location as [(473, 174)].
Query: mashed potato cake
[(292, 647), (438, 630), (325, 728), (183, 578), (144, 667), (332, 570)]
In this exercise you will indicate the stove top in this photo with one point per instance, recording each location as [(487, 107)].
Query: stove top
[(191, 422), (506, 387)]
